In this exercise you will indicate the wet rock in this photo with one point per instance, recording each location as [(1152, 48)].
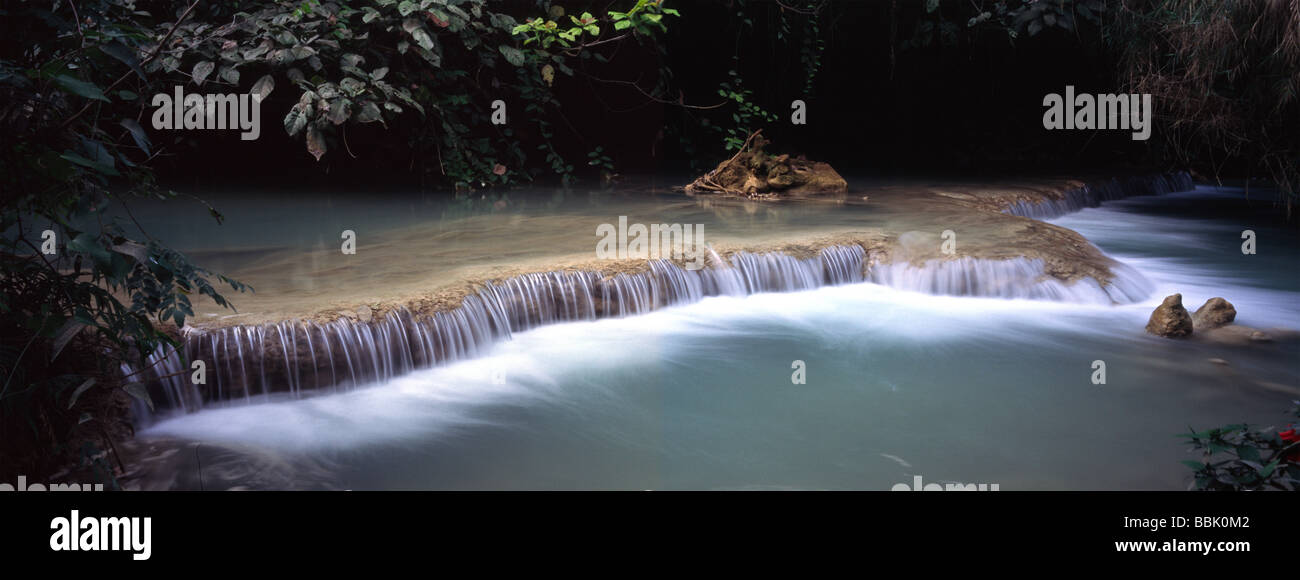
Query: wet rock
[(1170, 319), (755, 173), (1214, 313)]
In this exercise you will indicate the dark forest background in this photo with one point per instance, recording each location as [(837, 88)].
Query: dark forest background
[(889, 96)]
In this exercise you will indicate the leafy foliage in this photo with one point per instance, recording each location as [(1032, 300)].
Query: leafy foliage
[(1237, 457), (374, 62), (1225, 78), (597, 158), (83, 291), (810, 50), (706, 132), (75, 82), (1009, 18), (747, 115)]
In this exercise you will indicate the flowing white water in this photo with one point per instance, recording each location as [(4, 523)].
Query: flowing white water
[(971, 389), (1012, 278), (1092, 195), (1190, 243), (399, 342)]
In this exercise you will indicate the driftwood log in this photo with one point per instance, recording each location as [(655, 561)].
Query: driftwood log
[(751, 172)]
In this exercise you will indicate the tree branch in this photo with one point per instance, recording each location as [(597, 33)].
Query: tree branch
[(147, 59)]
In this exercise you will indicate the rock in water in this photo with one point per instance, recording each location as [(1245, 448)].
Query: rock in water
[(757, 174), (1170, 319), (1214, 313)]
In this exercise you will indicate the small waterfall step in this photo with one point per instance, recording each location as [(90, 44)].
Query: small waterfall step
[(1092, 195)]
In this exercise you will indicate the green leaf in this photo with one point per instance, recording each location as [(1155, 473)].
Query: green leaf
[(512, 54), (81, 389), (79, 87), (1268, 469), (258, 51), (315, 142), (339, 111), (434, 58), (262, 88), (422, 38), (1248, 453), (406, 7), (230, 74), (294, 121), (86, 243), (140, 393), (125, 54), (351, 60), (369, 113), (138, 251), (97, 166), (352, 87), (202, 70), (70, 330), (137, 134)]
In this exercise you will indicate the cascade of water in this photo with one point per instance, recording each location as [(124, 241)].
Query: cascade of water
[(242, 362), (401, 341), (1092, 195), (170, 382), (1011, 278)]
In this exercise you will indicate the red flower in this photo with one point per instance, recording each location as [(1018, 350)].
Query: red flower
[(1290, 437)]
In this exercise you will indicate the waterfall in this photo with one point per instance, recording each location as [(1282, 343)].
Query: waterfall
[(1092, 195), (1010, 278), (170, 385), (295, 358)]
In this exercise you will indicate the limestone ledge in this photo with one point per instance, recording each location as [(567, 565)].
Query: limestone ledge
[(965, 208)]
